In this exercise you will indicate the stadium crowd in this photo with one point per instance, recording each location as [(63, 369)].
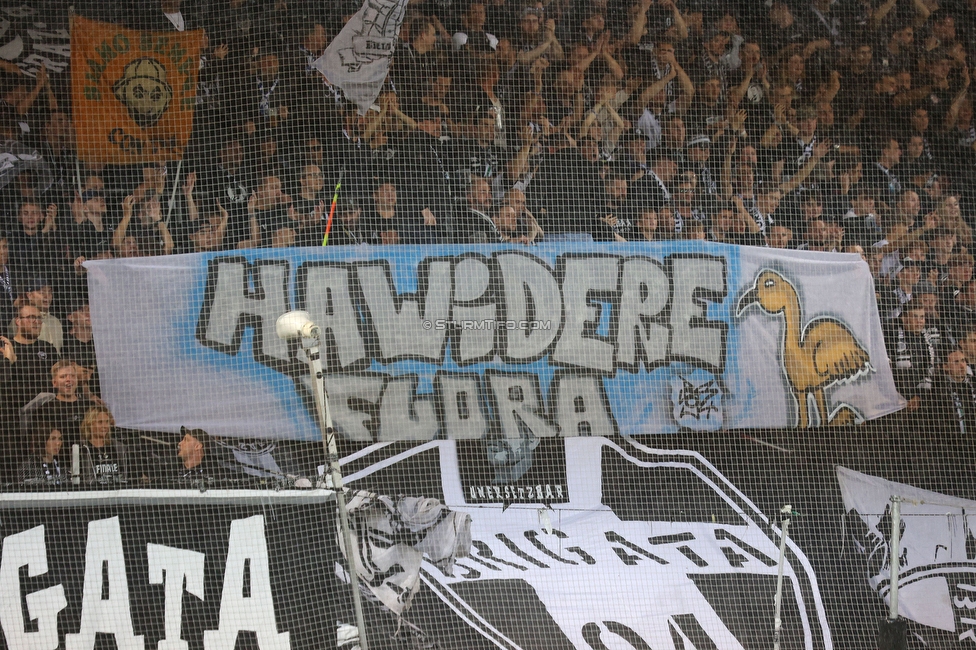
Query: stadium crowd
[(823, 125)]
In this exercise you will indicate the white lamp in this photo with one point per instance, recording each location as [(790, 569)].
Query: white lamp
[(295, 324), (299, 325)]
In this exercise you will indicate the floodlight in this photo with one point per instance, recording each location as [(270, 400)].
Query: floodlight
[(296, 324)]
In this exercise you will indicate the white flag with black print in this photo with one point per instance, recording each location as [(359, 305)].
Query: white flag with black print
[(937, 550), (358, 59)]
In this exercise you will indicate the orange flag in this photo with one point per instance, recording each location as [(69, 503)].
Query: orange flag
[(133, 93)]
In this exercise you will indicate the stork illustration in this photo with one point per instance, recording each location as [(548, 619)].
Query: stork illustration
[(821, 354)]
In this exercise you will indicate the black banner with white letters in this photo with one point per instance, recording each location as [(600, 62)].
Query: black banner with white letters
[(674, 545), (157, 569)]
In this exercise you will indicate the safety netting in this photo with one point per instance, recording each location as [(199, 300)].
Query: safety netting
[(487, 324)]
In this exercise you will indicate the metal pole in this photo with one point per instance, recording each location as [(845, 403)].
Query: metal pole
[(172, 196), (784, 518), (332, 454), (895, 547)]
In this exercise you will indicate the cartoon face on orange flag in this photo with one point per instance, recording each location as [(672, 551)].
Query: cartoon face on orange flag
[(133, 92)]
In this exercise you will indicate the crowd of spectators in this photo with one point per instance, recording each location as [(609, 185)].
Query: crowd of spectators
[(823, 125)]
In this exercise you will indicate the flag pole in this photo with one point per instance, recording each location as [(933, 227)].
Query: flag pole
[(335, 199), (892, 631), (298, 325), (785, 514), (172, 198)]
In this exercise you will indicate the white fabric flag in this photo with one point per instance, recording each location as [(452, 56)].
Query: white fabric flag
[(397, 535), (937, 559), (358, 59)]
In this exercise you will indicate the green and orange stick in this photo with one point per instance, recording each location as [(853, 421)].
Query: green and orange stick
[(335, 199)]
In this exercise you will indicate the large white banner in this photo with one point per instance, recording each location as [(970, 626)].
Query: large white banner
[(937, 553), (459, 341)]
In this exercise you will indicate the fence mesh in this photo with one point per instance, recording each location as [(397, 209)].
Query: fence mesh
[(607, 296)]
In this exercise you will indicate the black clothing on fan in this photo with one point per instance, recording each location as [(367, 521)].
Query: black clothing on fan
[(885, 181), (649, 190), (427, 186), (305, 209), (37, 471), (33, 255), (468, 159), (410, 72), (796, 154), (913, 363), (374, 227), (274, 219), (207, 472), (105, 465), (474, 227), (707, 177), (614, 220), (346, 234), (565, 187), (212, 469), (32, 372), (954, 406), (82, 239), (598, 229), (861, 230)]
